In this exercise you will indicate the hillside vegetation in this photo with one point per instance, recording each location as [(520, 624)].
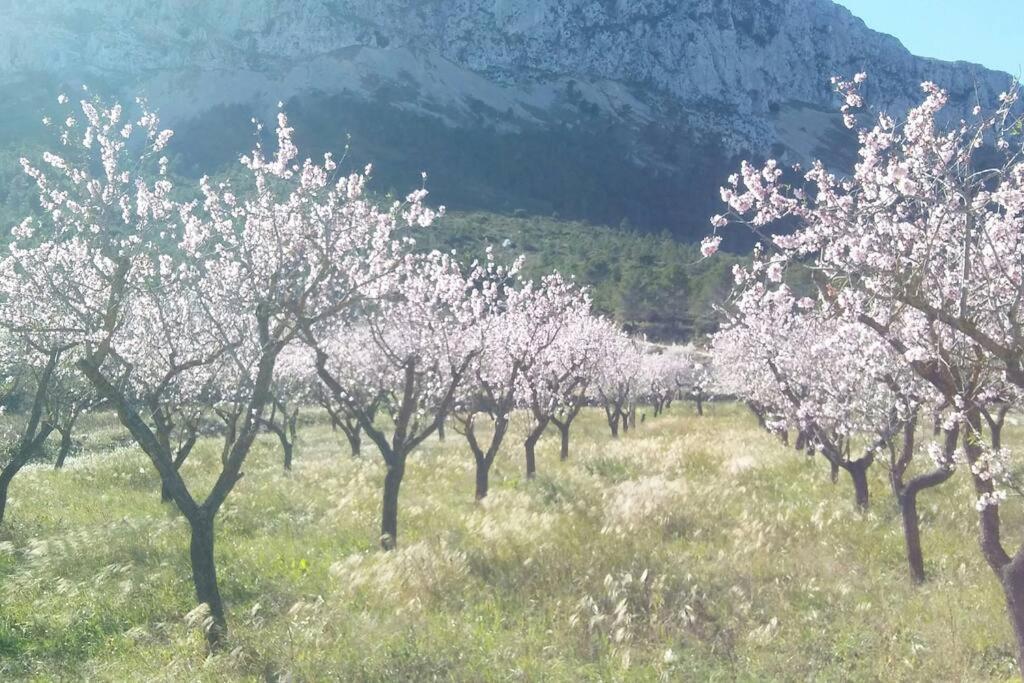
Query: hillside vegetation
[(690, 549), (652, 284)]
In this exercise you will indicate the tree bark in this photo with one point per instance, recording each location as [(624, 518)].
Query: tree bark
[(389, 515), (204, 577), (6, 475), (292, 429), (288, 447), (285, 431), (355, 441), (531, 462), (483, 472), (699, 399), (859, 473), (66, 444), (801, 440), (179, 459), (906, 494), (563, 452), (531, 448), (912, 536), (758, 413), (1012, 580)]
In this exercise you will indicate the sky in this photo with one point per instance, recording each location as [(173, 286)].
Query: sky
[(988, 32)]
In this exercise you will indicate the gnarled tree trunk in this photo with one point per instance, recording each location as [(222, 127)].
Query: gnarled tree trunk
[(1012, 581), (531, 447), (858, 470), (483, 471), (67, 444), (389, 514), (204, 576), (563, 431), (906, 496)]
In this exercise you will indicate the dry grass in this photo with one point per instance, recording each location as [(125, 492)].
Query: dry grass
[(693, 549)]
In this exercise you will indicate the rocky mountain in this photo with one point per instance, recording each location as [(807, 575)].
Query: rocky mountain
[(609, 110)]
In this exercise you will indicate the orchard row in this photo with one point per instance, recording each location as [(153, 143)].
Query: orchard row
[(916, 313), (222, 310)]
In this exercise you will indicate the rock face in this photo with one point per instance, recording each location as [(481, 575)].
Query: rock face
[(601, 109)]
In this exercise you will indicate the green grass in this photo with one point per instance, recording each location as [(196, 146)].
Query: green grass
[(691, 549)]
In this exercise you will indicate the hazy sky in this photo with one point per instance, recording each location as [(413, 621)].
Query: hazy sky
[(988, 32)]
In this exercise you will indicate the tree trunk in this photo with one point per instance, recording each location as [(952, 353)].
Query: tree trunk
[(912, 536), (613, 425), (389, 515), (859, 473), (1012, 580), (204, 576), (292, 430), (758, 413), (66, 444), (5, 483), (700, 405), (531, 448), (21, 456), (483, 471), (355, 442), (179, 459), (231, 434), (440, 431), (531, 461), (564, 451), (289, 448)]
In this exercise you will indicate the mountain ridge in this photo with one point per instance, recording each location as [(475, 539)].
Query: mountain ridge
[(604, 110)]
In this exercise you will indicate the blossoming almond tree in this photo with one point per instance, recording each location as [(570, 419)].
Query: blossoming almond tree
[(555, 386), (422, 329), (698, 380), (527, 320), (617, 380), (222, 277), (838, 383), (664, 372), (923, 245)]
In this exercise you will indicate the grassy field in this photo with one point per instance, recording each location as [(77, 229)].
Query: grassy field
[(693, 549)]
